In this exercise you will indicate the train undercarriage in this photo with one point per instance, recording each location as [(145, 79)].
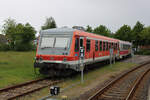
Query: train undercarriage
[(54, 69)]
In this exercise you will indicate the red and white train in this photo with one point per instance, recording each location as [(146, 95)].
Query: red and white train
[(58, 50)]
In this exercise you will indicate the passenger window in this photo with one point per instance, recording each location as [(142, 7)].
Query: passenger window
[(104, 46), (100, 45), (96, 45), (77, 45), (117, 46), (111, 45), (107, 46), (88, 44), (114, 46)]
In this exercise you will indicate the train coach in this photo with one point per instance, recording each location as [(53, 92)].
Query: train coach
[(59, 50)]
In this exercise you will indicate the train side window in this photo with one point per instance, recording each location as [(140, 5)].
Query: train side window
[(88, 45), (116, 47), (96, 45), (81, 42), (100, 45), (112, 45), (107, 46), (77, 45), (104, 43)]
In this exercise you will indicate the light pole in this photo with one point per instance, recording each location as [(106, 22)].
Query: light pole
[(132, 51)]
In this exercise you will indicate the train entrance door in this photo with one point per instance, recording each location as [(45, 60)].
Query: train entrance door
[(82, 49)]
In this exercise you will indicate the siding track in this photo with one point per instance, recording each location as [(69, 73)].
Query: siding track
[(13, 92), (125, 86)]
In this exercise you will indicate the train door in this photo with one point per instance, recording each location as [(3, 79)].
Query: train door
[(82, 48), (79, 48), (88, 49)]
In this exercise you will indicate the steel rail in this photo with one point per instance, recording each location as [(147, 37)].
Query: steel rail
[(28, 84), (22, 84), (37, 89), (133, 89), (102, 90)]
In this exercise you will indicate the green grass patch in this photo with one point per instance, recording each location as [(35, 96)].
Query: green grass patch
[(102, 71), (16, 67)]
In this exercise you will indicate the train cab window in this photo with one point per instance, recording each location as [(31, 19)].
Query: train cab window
[(100, 45), (77, 45), (96, 45), (104, 46), (88, 44)]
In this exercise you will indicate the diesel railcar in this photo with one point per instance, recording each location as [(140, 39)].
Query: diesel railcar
[(58, 50)]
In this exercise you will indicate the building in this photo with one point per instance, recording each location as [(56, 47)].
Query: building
[(3, 39)]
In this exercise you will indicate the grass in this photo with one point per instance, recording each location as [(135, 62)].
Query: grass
[(91, 79), (16, 67)]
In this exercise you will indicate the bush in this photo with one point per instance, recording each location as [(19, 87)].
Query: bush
[(24, 46), (4, 47)]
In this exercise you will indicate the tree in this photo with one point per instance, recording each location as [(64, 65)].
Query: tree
[(89, 29), (9, 29), (20, 36), (50, 23), (145, 36), (124, 33), (102, 30), (25, 34), (136, 31)]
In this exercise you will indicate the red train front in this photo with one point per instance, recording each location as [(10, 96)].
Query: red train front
[(58, 50)]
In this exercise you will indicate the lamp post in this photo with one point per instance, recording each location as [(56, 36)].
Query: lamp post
[(132, 51)]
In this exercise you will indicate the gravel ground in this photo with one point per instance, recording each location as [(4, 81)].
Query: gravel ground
[(138, 59)]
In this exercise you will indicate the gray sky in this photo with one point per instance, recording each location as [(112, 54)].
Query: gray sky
[(112, 13)]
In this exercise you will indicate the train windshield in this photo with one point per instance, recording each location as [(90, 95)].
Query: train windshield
[(61, 42), (47, 42), (54, 42)]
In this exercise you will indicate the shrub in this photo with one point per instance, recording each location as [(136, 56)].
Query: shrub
[(24, 46), (4, 47)]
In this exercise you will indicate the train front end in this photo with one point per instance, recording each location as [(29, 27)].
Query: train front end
[(53, 52)]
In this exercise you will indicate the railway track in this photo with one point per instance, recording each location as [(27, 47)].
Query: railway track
[(127, 86), (16, 91)]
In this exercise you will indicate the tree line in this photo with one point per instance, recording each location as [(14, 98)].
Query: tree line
[(21, 36), (139, 35)]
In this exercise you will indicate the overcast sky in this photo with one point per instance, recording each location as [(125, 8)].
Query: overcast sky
[(112, 13)]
